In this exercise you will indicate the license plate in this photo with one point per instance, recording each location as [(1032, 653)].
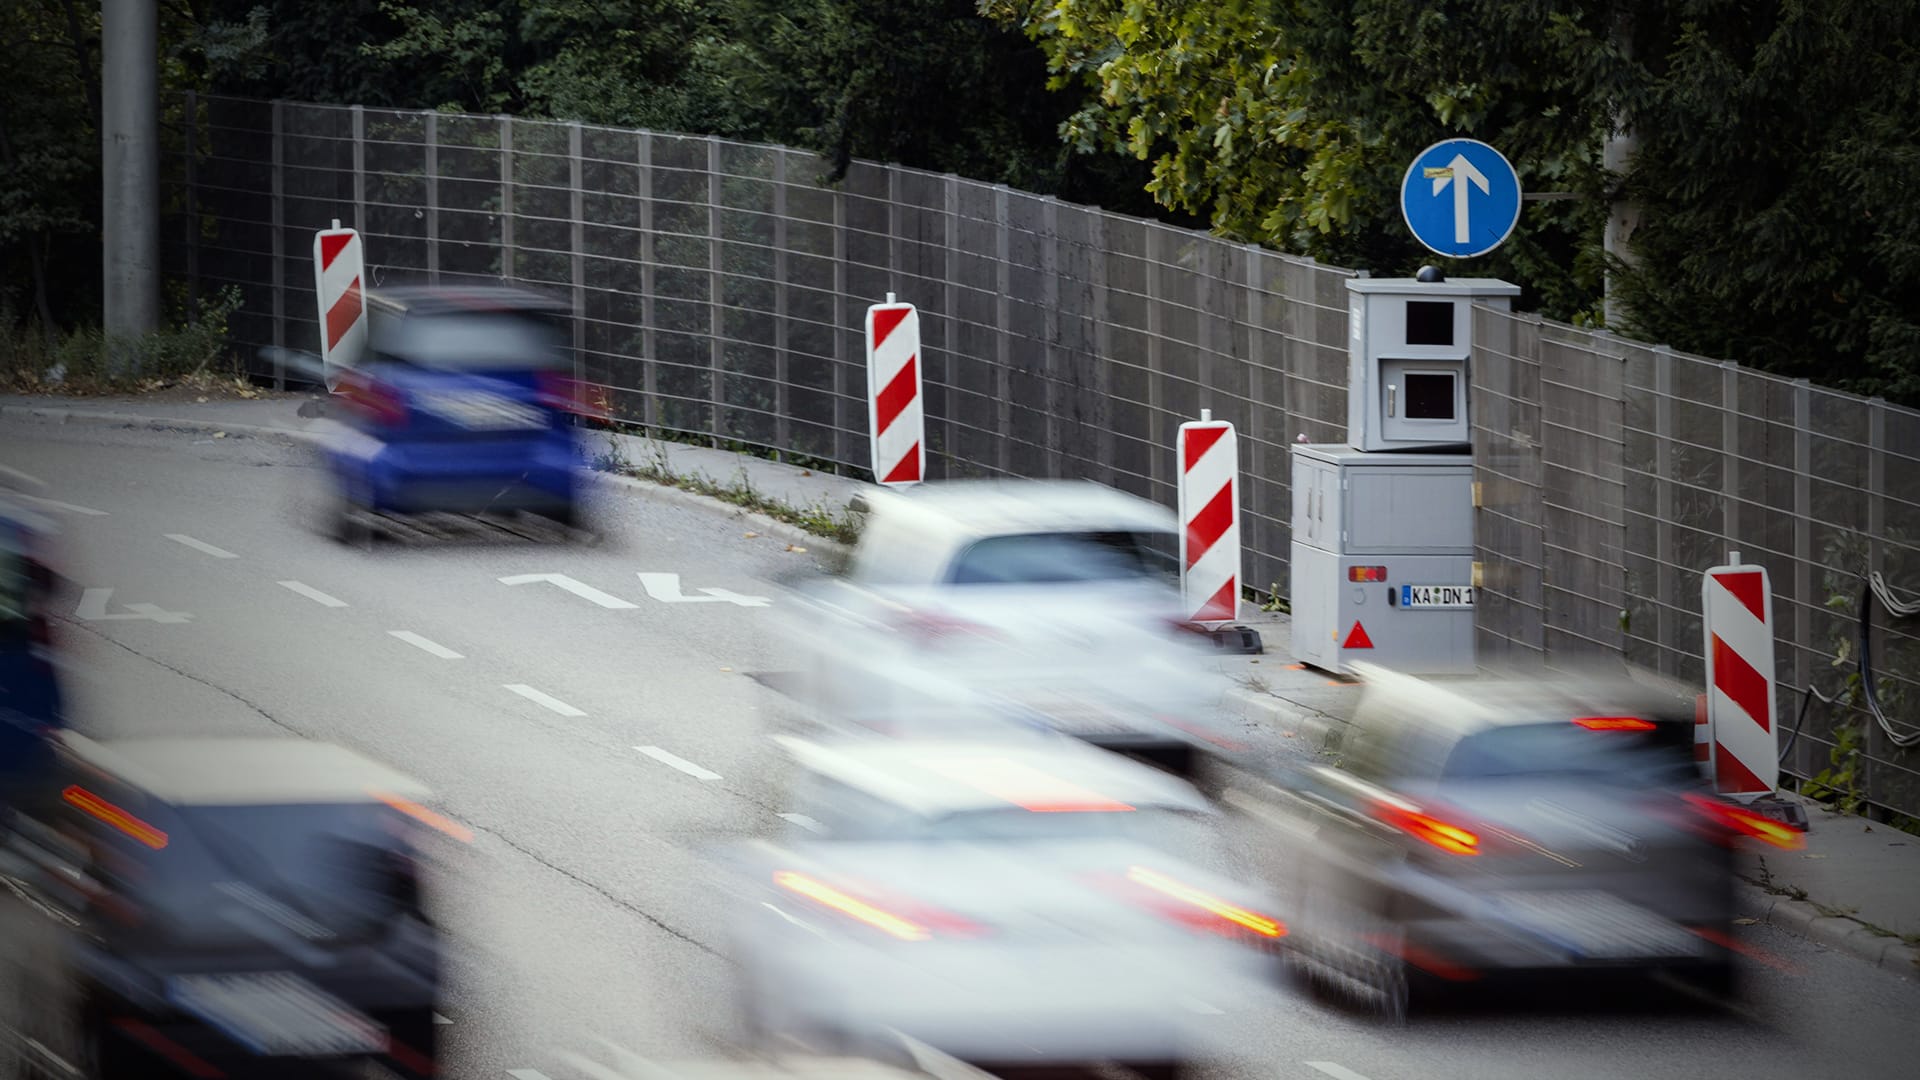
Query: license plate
[(1596, 925), (1436, 596), (278, 1014)]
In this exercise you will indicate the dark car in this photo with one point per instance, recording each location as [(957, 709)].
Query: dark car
[(464, 402), (31, 705), (1494, 828), (211, 907)]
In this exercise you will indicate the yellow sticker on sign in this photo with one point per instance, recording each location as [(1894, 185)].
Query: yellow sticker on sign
[(1437, 173)]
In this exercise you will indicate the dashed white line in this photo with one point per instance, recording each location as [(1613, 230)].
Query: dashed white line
[(547, 700), (804, 822), (527, 1074), (26, 478), (1334, 1069), (438, 1019), (201, 546), (678, 762), (426, 645), (314, 594)]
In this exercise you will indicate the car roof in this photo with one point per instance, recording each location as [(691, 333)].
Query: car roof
[(934, 777), (1463, 707), (457, 299), (1000, 507), (218, 771)]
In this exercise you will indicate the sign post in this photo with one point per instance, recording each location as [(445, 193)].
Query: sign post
[(895, 412)]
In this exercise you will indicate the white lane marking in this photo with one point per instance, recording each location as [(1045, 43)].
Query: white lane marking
[(1334, 1069), (56, 504), (678, 762), (438, 1019), (1197, 1006), (93, 608), (547, 700), (666, 589), (804, 822), (201, 546), (314, 594), (577, 588), (527, 1074), (425, 645), (26, 478)]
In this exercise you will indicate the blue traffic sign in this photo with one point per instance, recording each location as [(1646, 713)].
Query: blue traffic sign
[(1461, 198)]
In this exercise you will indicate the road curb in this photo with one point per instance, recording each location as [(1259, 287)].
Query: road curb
[(1810, 921), (766, 526), (1318, 731), (62, 415)]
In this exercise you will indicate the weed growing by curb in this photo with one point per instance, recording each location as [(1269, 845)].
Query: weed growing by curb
[(817, 519)]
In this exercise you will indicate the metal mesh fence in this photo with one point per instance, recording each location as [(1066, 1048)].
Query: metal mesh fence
[(1613, 473), (720, 289)]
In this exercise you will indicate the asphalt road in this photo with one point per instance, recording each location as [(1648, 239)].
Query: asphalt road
[(601, 738)]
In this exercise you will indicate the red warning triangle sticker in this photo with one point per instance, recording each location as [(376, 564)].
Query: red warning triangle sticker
[(1357, 638)]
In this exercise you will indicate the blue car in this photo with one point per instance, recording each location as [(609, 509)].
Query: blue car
[(465, 403), (30, 701)]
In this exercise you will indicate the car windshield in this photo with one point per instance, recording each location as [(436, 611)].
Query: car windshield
[(505, 340), (1564, 749), (1062, 558)]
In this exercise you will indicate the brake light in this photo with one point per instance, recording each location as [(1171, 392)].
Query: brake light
[(1445, 835), (1614, 723), (93, 805), (1366, 573), (1023, 785), (1740, 820), (918, 924), (372, 399), (932, 628), (425, 816), (1202, 901)]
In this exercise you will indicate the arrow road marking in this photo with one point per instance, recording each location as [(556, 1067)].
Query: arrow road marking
[(201, 546), (666, 589), (93, 608), (1459, 172), (580, 589)]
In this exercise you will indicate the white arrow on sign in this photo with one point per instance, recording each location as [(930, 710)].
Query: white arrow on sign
[(666, 589), (93, 608), (577, 588), (1459, 172)]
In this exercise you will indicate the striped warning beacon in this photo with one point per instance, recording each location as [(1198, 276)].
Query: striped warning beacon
[(895, 411), (338, 273), (1209, 493), (1736, 603)]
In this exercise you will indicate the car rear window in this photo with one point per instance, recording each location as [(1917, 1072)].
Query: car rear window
[(474, 341), (1063, 558), (1563, 748)]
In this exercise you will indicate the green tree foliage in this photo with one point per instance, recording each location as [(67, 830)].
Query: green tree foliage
[(1777, 147)]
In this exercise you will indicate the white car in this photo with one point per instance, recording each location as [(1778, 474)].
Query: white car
[(1013, 903)]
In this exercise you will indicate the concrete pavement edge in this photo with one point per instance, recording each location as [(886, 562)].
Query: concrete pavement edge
[(767, 526), (1815, 923), (1319, 730), (63, 415)]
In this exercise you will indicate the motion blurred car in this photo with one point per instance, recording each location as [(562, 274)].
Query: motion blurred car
[(31, 705), (1055, 599), (463, 403), (1022, 903), (212, 907), (1501, 827)]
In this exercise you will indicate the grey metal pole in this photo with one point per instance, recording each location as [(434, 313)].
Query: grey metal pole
[(1623, 216), (130, 167)]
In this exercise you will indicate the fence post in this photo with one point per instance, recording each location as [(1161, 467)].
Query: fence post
[(507, 257), (842, 333), (1802, 535), (278, 225), (1002, 349), (950, 311), (649, 280), (1102, 345), (360, 179), (1666, 585), (577, 240), (1057, 383), (430, 135), (716, 294), (1730, 451), (782, 426), (192, 175), (1157, 474)]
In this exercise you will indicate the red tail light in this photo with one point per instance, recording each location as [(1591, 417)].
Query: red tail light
[(93, 805), (1614, 723), (1366, 573), (577, 396), (1448, 837), (933, 628), (1740, 821), (1190, 906), (898, 919), (372, 399)]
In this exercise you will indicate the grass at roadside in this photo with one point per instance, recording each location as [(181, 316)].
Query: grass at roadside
[(818, 519), (84, 362)]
